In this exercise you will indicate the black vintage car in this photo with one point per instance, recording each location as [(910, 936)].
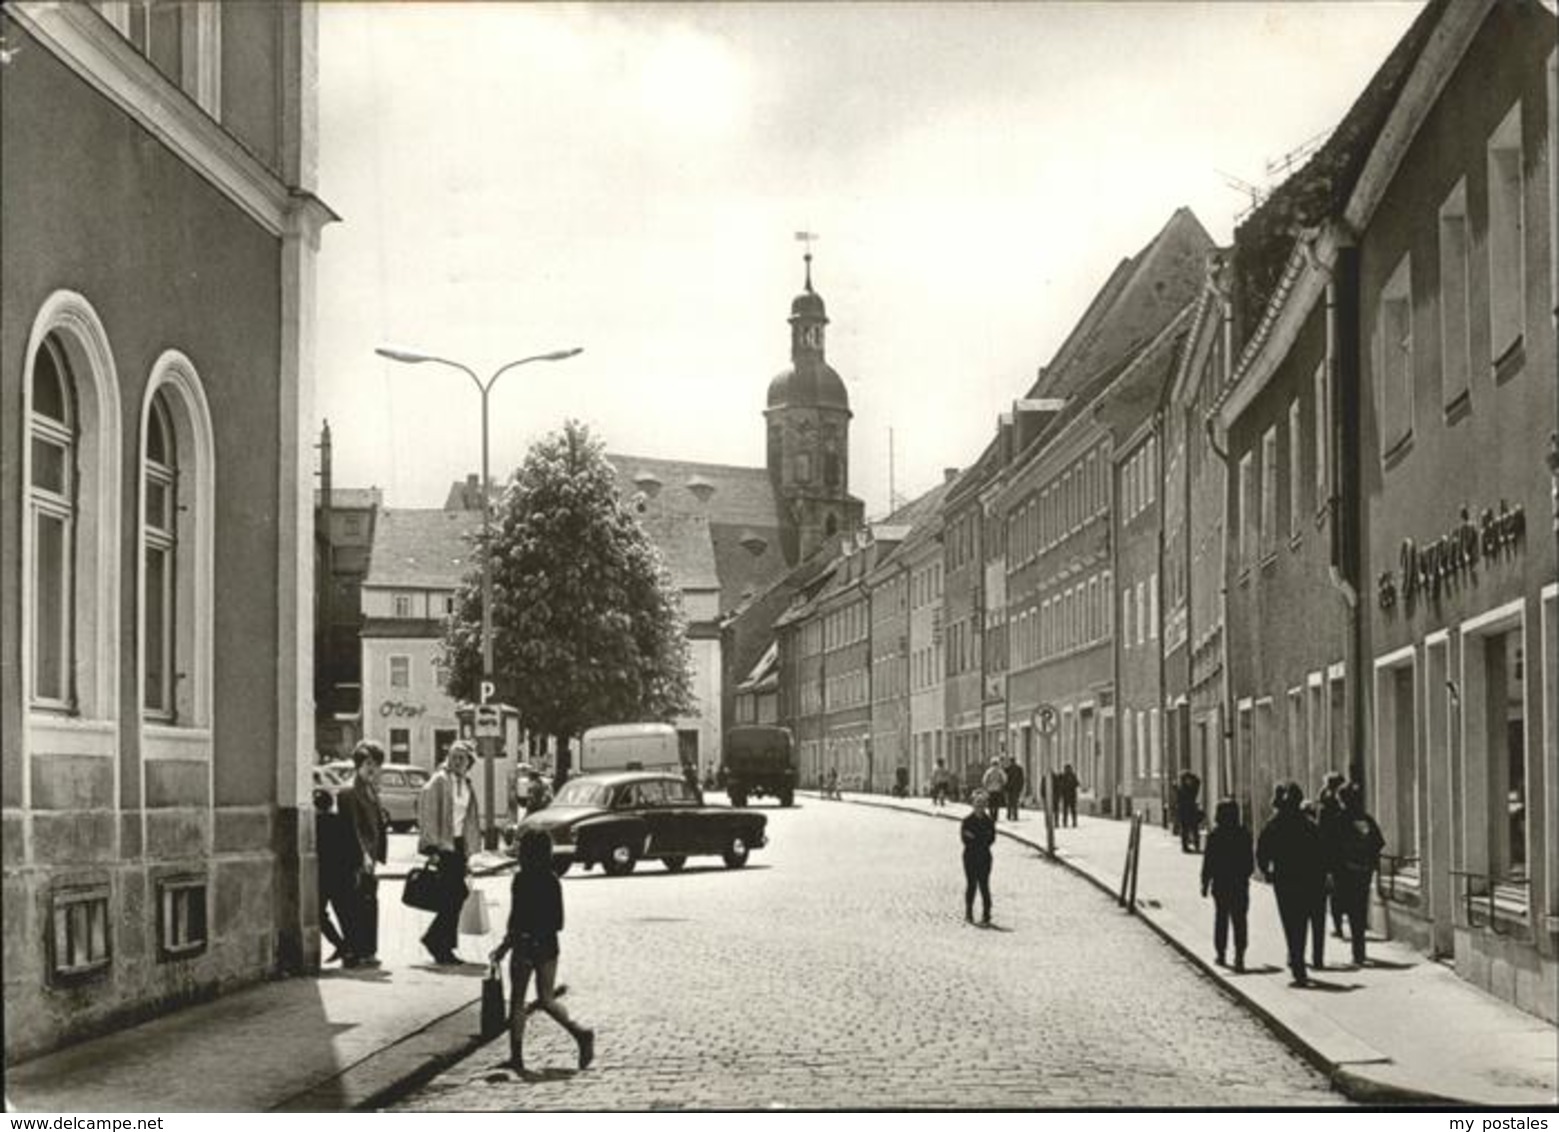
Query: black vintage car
[(617, 820)]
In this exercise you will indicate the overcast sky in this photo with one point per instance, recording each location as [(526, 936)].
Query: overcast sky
[(517, 178)]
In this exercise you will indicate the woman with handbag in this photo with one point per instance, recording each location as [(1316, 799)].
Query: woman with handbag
[(449, 826), (535, 919)]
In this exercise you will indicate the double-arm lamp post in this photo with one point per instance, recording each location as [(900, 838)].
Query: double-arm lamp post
[(416, 357)]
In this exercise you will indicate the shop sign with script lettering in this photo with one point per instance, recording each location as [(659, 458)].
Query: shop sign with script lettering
[(1426, 571)]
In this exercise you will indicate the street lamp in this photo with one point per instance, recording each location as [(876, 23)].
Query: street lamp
[(417, 357)]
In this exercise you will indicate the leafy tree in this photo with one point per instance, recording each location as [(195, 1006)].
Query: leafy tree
[(587, 626)]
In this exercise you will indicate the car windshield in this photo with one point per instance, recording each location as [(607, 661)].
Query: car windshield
[(583, 793)]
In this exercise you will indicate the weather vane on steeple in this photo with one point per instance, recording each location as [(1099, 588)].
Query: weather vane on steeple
[(808, 238)]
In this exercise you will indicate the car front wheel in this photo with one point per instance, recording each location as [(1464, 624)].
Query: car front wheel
[(674, 864), (736, 855), (620, 860)]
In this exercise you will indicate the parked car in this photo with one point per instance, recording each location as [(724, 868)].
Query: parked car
[(399, 787), (616, 820)]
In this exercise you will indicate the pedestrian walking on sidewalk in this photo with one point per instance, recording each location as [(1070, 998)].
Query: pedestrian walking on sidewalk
[(1015, 780), (368, 823), (449, 828), (1329, 825), (978, 832), (333, 844), (995, 786), (1326, 852), (941, 783), (1226, 870), (831, 783), (1066, 796), (1359, 849), (1188, 811), (1289, 855), (535, 920)]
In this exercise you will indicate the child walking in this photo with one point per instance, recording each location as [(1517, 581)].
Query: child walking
[(1226, 868), (535, 919)]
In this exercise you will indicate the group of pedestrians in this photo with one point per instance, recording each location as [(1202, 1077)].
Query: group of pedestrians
[(351, 843), (1308, 853)]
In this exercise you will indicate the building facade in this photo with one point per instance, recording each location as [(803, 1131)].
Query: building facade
[(420, 559), (963, 622), (1456, 409), (154, 789)]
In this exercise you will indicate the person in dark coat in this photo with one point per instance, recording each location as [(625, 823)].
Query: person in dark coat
[(367, 824), (1358, 856), (1329, 825), (1188, 813), (1226, 871), (535, 920), (1066, 795), (1289, 855), (1015, 783), (978, 832), (1317, 919), (333, 848)]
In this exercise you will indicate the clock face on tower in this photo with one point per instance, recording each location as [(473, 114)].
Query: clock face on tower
[(813, 337)]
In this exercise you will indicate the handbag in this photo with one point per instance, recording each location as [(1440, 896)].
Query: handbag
[(473, 915), (493, 1012), (424, 889)]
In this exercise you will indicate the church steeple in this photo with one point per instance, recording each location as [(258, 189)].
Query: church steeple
[(808, 317), (809, 431)]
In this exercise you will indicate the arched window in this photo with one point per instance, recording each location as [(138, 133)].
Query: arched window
[(177, 520), (52, 522), (70, 531), (160, 560)]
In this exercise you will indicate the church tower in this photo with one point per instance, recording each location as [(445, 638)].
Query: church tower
[(808, 417)]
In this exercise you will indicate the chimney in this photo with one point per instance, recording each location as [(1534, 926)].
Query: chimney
[(1030, 415), (949, 475)]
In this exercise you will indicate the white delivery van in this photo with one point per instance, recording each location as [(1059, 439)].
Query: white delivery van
[(629, 746)]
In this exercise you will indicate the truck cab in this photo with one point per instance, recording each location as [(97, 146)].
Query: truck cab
[(629, 746)]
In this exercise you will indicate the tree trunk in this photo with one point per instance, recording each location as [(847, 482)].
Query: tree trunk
[(565, 762)]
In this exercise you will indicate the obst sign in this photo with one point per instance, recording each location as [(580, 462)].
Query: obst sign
[(489, 723), (1046, 719)]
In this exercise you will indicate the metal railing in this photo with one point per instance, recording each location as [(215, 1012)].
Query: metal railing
[(1490, 885), (1386, 878)]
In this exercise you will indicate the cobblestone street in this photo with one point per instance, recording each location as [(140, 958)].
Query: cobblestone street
[(836, 971)]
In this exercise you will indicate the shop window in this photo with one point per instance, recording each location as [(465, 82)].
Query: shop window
[(1393, 359), (1455, 298), (79, 941), (1396, 746), (400, 745), (1504, 661), (1507, 313), (181, 917)]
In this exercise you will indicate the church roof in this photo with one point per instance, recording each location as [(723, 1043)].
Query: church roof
[(718, 525), (423, 548)]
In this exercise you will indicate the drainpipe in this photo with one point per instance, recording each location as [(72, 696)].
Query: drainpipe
[(1345, 505), (1226, 676)]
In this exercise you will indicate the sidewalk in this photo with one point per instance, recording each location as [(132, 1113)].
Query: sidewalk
[(344, 1040), (1403, 1030)]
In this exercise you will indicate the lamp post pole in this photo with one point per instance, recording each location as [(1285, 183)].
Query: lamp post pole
[(415, 357)]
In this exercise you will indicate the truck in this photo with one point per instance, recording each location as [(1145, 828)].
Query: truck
[(629, 746), (760, 762)]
